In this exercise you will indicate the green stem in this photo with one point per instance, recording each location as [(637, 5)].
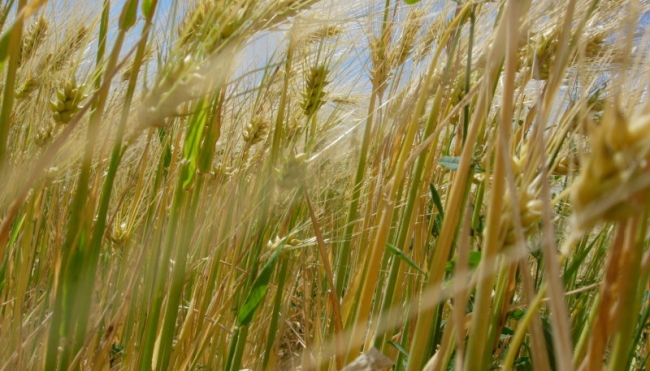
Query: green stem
[(90, 266), (10, 81), (275, 317), (629, 300)]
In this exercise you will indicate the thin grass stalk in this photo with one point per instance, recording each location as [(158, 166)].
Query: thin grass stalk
[(538, 346), (645, 313), (129, 286), (333, 298), (5, 14), (88, 277), (503, 293), (150, 272), (155, 357), (213, 135), (191, 155), (166, 354), (406, 330), (442, 357), (75, 248), (351, 294), (307, 356), (184, 346), (523, 324), (375, 202), (343, 253), (23, 256), (437, 329), (413, 195), (238, 340), (476, 353), (234, 348), (370, 282), (103, 34), (351, 299), (584, 341), (199, 294), (208, 331), (13, 52), (167, 334), (461, 289), (479, 339), (277, 310), (559, 320), (209, 296), (602, 324), (425, 321), (91, 251), (395, 274), (136, 295), (629, 300), (539, 352), (468, 69), (149, 340), (282, 105)]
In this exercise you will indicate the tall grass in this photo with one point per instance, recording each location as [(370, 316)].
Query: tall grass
[(324, 185)]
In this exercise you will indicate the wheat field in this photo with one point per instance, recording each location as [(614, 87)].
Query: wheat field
[(324, 185)]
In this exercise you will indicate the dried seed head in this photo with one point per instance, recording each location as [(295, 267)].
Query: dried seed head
[(288, 244), (314, 95), (120, 233), (530, 213), (431, 34), (413, 24), (192, 26), (27, 87), (33, 39), (172, 88), (541, 57), (280, 11), (255, 130), (324, 32), (343, 100), (566, 164), (43, 134), (212, 22), (381, 70), (607, 187), (72, 43), (222, 172), (595, 45), (66, 102), (527, 194)]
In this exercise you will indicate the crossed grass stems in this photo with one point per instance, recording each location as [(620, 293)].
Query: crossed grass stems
[(159, 209)]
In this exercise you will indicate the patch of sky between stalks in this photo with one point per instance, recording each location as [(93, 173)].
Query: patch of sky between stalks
[(260, 50), (87, 13)]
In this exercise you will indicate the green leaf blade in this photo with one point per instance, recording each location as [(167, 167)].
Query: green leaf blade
[(402, 256), (258, 291)]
